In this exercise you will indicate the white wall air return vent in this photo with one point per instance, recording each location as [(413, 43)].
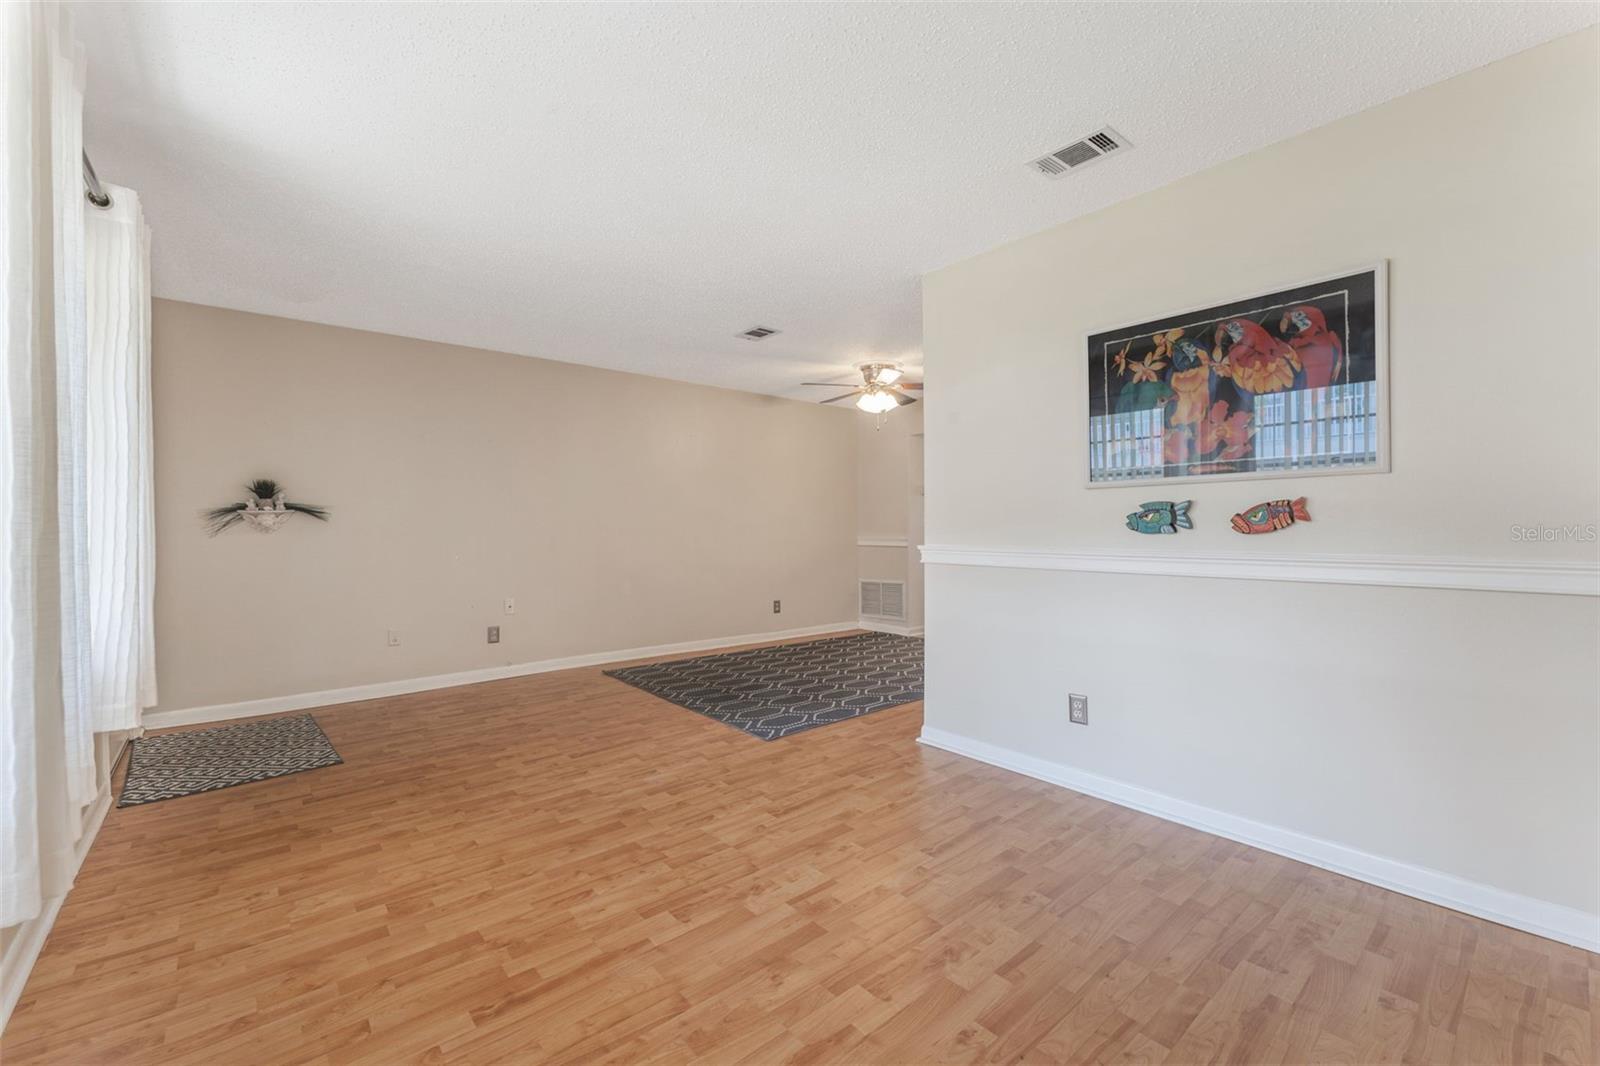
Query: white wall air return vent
[(1097, 145), (883, 599)]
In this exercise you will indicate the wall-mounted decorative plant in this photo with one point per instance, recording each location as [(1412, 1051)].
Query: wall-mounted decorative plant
[(263, 509)]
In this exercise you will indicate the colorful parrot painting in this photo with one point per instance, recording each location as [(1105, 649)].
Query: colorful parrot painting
[(1259, 362), (1317, 346), (1214, 441), (1224, 435), (1267, 383), (1192, 382), (1146, 389)]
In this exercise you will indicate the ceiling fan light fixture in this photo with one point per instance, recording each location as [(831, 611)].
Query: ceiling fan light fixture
[(876, 402), (888, 375)]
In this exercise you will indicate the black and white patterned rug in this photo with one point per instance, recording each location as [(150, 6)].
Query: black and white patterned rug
[(789, 688), (181, 764)]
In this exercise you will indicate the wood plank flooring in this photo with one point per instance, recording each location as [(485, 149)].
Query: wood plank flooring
[(564, 869)]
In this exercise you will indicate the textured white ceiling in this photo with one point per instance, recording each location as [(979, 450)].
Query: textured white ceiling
[(631, 185)]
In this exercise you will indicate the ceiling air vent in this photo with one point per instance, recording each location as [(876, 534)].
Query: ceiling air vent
[(755, 333), (1095, 146)]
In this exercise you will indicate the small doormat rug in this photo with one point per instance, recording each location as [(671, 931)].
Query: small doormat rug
[(789, 688), (182, 764)]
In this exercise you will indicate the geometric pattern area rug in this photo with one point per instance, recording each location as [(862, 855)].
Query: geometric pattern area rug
[(182, 764), (789, 688)]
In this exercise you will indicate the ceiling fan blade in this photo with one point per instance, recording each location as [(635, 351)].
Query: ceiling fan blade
[(901, 398), (828, 384), (846, 396), (908, 384)]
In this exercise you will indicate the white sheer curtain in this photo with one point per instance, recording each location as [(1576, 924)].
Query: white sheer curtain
[(120, 478), (70, 277), (47, 769)]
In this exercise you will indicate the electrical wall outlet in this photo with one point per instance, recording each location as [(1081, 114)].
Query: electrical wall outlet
[(777, 606), (394, 638), (1077, 709), (494, 634), (511, 605)]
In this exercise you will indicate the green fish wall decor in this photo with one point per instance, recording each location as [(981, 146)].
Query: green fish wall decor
[(1161, 516)]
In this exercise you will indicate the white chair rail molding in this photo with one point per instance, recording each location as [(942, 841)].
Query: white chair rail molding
[(1576, 578)]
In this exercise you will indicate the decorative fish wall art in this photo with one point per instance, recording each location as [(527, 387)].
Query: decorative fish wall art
[(1161, 516), (1271, 516)]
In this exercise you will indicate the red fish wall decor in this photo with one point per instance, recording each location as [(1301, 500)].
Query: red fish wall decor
[(1271, 516)]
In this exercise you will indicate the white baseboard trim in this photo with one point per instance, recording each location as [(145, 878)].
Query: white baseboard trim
[(1555, 921), (1428, 572), (23, 951), (220, 712), (881, 625)]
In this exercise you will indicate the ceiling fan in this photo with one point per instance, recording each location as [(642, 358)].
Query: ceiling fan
[(882, 391)]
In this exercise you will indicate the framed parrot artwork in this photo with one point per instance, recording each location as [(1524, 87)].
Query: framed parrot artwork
[(1288, 383)]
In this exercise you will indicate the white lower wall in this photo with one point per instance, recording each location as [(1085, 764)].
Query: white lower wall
[(1316, 710), (1567, 924)]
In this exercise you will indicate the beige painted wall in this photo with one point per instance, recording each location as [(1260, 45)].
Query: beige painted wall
[(620, 511), (1455, 731)]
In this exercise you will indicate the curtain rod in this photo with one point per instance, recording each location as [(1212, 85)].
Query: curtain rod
[(91, 185)]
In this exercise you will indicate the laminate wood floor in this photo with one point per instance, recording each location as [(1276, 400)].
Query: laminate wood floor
[(562, 868)]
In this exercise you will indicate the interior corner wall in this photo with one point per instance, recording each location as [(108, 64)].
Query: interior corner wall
[(1451, 735), (889, 506), (618, 511)]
